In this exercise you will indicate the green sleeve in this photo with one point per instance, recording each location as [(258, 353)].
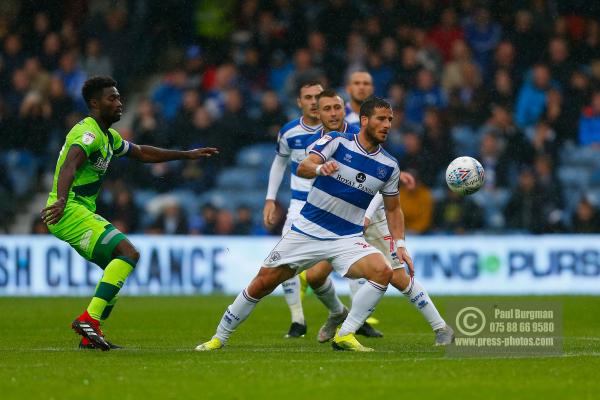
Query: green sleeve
[(87, 140), (120, 146)]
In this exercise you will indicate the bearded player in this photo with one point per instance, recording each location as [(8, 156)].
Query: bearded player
[(70, 211)]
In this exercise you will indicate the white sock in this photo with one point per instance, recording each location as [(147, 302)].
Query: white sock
[(329, 298), (291, 292), (235, 314), (417, 295), (355, 285), (363, 305)]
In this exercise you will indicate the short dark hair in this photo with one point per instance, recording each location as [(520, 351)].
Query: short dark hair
[(93, 87), (307, 83), (328, 93), (369, 105)]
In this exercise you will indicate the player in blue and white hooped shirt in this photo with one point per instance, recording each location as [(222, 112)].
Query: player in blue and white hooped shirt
[(291, 150), (349, 171), (359, 88)]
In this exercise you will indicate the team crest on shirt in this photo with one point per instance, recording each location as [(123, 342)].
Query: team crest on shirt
[(347, 157), (88, 138), (274, 256), (323, 140), (381, 172)]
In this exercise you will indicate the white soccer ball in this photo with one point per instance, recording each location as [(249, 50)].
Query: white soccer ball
[(465, 175)]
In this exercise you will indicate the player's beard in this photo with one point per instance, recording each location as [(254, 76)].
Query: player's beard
[(370, 134)]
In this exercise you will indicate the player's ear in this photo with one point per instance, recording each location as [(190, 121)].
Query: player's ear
[(298, 102), (364, 120)]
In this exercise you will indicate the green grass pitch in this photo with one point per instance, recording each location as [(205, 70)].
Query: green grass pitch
[(39, 359)]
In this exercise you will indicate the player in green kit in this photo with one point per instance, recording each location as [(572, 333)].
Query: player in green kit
[(70, 210)]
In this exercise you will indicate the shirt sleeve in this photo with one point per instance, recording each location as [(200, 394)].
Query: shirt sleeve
[(325, 146), (87, 140), (375, 204), (120, 145), (391, 186), (283, 148)]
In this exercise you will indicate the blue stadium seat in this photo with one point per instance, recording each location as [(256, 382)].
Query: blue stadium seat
[(240, 178), (256, 156), (574, 177), (22, 168)]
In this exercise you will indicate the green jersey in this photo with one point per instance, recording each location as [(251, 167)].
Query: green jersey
[(100, 147)]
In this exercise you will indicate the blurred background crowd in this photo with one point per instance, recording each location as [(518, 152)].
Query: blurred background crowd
[(515, 84)]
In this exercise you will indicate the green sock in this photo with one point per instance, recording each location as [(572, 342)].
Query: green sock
[(115, 274), (109, 307)]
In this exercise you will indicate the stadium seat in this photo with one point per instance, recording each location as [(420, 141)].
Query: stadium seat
[(574, 177), (239, 178), (256, 156)]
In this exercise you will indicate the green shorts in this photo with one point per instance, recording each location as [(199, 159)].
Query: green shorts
[(92, 236)]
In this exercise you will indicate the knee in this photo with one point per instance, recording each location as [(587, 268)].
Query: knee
[(381, 273), (127, 250)]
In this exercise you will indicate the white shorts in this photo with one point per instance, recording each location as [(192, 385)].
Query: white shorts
[(378, 235), (292, 214), (301, 252)]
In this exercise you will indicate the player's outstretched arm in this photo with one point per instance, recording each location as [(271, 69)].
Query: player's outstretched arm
[(314, 165), (74, 160), (150, 154), (395, 221)]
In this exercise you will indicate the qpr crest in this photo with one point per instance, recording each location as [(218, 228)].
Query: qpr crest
[(380, 172), (274, 256)]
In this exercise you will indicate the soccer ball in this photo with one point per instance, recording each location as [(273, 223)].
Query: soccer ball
[(465, 175)]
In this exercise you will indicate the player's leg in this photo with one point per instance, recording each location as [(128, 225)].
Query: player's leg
[(263, 284), (85, 344), (292, 289), (360, 260), (319, 279), (414, 292), (378, 274)]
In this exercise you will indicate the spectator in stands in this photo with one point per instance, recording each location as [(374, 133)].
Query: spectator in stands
[(531, 100), (556, 117), (169, 94), (503, 90), (122, 211), (39, 79), (550, 193), (543, 139), (171, 221), (73, 77), (437, 146), (456, 214), (427, 93), (495, 161), (62, 104), (414, 158), (224, 223), (560, 64), (13, 56), (452, 75), (243, 223), (51, 51), (35, 124), (95, 62), (149, 126), (524, 209), (418, 206), (16, 93), (409, 67), (589, 123), (529, 44), (446, 33), (578, 94), (586, 218), (505, 60), (271, 119), (483, 35), (234, 129)]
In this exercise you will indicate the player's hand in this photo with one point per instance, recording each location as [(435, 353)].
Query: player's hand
[(404, 258), (367, 222), (329, 168), (54, 212), (269, 214), (201, 152), (408, 180)]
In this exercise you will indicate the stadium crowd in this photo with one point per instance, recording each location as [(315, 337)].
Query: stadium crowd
[(514, 84)]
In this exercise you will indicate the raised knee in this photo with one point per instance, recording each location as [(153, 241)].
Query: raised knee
[(382, 274)]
